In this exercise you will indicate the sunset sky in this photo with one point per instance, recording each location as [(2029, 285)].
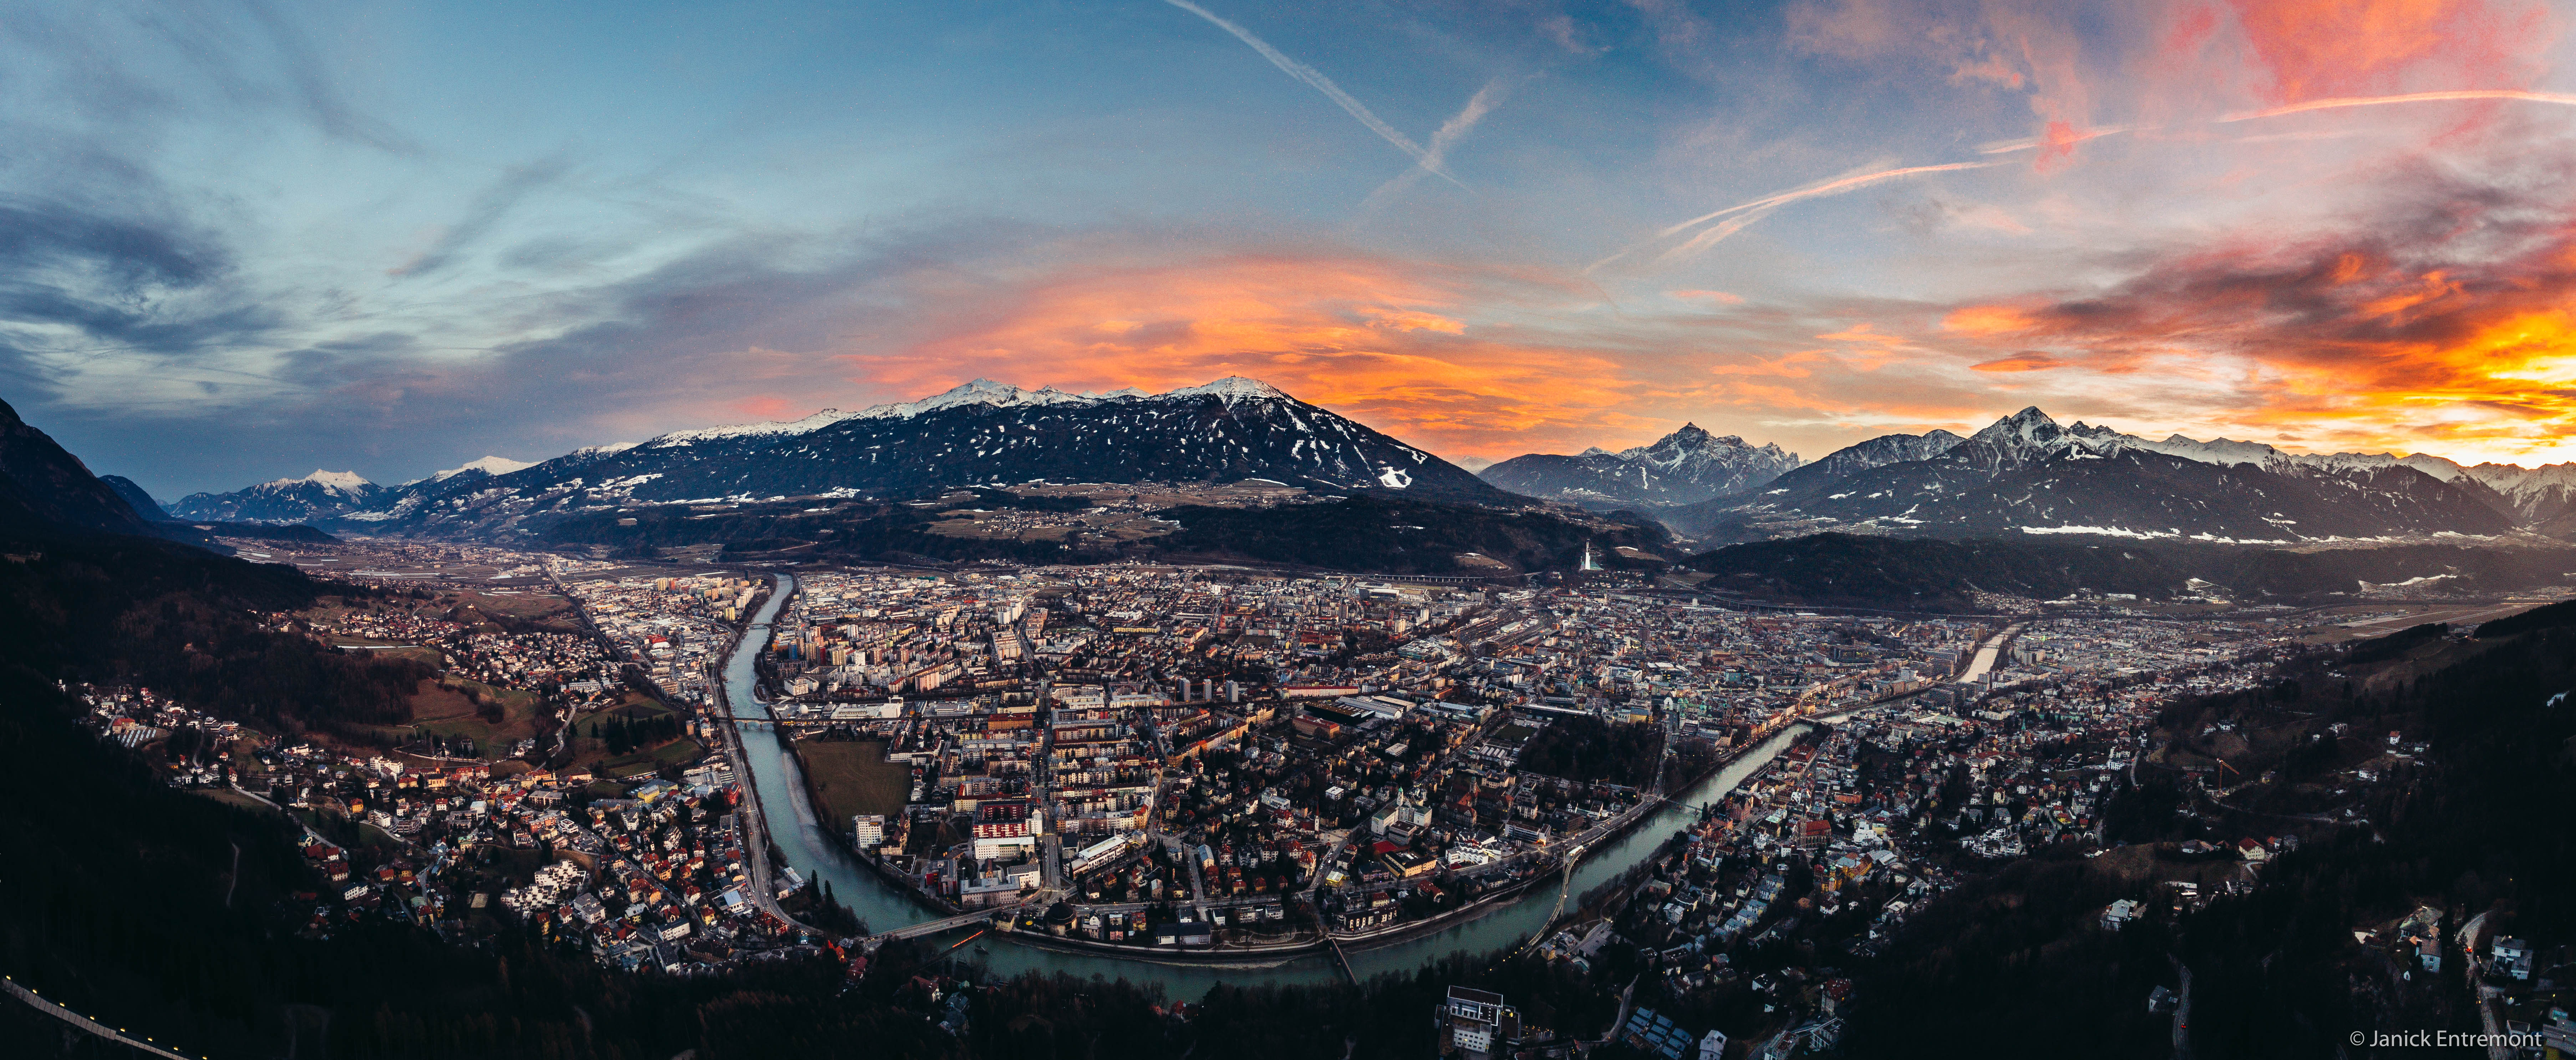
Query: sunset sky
[(238, 242)]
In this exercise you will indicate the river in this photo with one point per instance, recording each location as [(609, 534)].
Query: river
[(800, 841)]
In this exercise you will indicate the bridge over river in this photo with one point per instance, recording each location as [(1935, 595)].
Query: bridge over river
[(893, 912), (962, 920)]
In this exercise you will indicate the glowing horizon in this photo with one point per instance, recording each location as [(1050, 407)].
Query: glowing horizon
[(2327, 226)]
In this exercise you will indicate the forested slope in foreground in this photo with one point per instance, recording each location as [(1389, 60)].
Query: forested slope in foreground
[(122, 898), (2016, 964)]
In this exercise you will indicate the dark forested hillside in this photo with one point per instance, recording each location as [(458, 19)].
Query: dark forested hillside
[(1936, 575), (1857, 570), (2016, 964), (1366, 533), (174, 914), (113, 609), (1400, 536)]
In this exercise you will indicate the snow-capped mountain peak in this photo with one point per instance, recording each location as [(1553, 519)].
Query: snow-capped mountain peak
[(815, 422), (2026, 473), (282, 500), (979, 391), (2222, 451), (2435, 466), (1684, 467), (1690, 436), (335, 481), (489, 465), (2024, 429), (1693, 443), (1231, 389), (2510, 479)]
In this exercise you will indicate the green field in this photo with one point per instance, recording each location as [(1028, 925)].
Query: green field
[(852, 777), (593, 751), (641, 764), (449, 712)]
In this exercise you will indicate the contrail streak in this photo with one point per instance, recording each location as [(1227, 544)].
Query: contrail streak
[(1742, 215), (2003, 147), (1325, 85), (1709, 237), (1760, 208), (1835, 186), (1450, 132), (2339, 102)]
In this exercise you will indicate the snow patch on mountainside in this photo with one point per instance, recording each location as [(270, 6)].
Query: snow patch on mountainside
[(1231, 389), (489, 465), (336, 481)]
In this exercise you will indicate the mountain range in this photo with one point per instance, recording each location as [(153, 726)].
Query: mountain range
[(321, 495), (981, 433), (2027, 474), (1684, 467)]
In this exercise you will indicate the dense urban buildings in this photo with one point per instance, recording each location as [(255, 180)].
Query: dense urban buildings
[(1154, 761)]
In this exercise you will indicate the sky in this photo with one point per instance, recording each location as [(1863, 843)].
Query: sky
[(244, 241)]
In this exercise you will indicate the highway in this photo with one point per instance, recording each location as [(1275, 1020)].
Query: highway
[(87, 1024), (2467, 615)]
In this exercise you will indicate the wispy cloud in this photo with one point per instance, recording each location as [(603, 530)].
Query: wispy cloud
[(2563, 99), (319, 95), (1744, 214), (1325, 85), (485, 213), (1442, 139)]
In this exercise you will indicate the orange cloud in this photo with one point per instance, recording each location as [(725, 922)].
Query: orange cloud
[(1404, 320), (2314, 49), (2395, 306), (2191, 30), (2056, 145), (1983, 320), (1719, 297), (1401, 346), (2457, 352), (2025, 361)]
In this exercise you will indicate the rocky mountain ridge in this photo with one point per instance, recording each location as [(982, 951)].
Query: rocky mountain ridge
[(1683, 467), (2028, 474)]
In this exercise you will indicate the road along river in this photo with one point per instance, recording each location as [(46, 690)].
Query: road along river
[(799, 839)]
